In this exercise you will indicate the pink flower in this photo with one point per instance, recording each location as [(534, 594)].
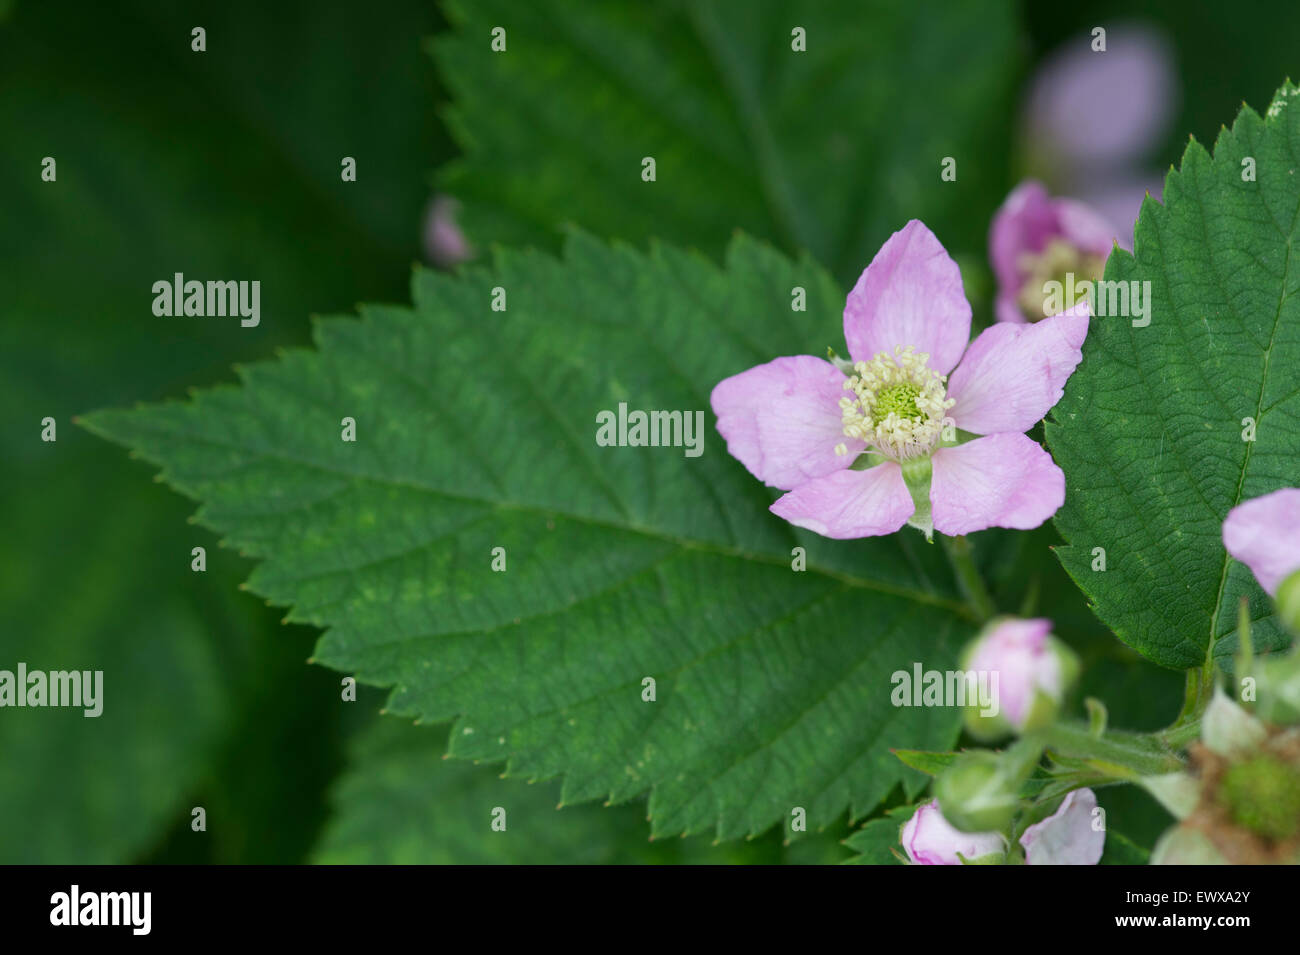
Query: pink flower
[(929, 839), (1033, 672), (1092, 118), (1264, 534), (1067, 836), (863, 451), (1036, 239), (444, 243), (1094, 110)]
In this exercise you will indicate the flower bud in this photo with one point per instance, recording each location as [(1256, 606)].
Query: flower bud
[(1228, 730), (1068, 836), (1029, 671), (976, 795), (929, 839)]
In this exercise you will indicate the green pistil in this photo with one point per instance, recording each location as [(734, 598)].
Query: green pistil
[(900, 399), (1263, 795)]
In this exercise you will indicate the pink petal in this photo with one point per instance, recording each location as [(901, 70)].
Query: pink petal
[(850, 504), (1084, 227), (782, 420), (1012, 375), (929, 839), (1017, 650), (910, 294), (1002, 480), (1264, 534), (1066, 837), (1023, 223)]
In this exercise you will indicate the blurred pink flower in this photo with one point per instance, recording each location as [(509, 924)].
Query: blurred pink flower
[(444, 244), (1092, 119), (1036, 238), (1104, 108)]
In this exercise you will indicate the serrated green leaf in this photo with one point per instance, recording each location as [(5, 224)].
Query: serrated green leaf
[(1150, 431), (823, 150), (402, 803), (877, 842), (932, 764), (476, 430)]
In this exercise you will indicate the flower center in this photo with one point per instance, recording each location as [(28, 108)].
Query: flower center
[(1072, 269), (898, 405), (1263, 795), (900, 400)]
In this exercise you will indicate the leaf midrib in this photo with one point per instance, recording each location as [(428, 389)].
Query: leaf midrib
[(1259, 414), (684, 543)]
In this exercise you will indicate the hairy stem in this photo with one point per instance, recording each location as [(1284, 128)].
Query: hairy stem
[(972, 586)]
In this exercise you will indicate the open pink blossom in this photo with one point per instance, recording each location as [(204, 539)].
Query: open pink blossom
[(1036, 239), (864, 450), (1067, 836), (929, 839), (1264, 534)]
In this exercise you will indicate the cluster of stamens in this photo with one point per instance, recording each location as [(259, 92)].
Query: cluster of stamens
[(1057, 260), (898, 405)]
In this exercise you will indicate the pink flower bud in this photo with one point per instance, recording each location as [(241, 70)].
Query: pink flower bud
[(1068, 836), (1033, 671), (928, 839)]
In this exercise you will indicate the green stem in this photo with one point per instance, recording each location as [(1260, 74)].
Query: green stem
[(1120, 756), (1196, 695), (977, 595)]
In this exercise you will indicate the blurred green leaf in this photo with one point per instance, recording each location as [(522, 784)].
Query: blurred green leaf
[(220, 165), (828, 150), (403, 802)]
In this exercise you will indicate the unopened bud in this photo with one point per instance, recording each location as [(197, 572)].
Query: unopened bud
[(975, 795)]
